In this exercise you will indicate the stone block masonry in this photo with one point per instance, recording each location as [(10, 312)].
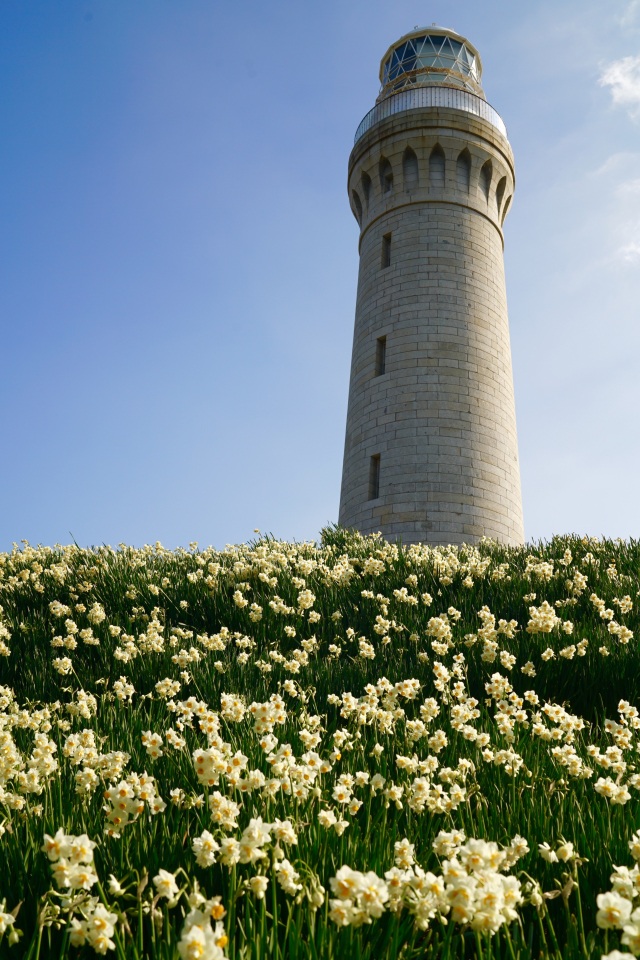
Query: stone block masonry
[(430, 188)]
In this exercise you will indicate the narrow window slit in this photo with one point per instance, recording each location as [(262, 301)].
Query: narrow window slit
[(386, 250), (381, 356), (374, 477)]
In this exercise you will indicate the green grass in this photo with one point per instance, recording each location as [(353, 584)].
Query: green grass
[(155, 614)]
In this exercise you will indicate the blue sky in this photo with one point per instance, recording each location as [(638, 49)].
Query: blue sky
[(178, 261)]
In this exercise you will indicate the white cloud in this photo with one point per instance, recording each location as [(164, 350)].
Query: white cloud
[(629, 189), (620, 164), (623, 77), (616, 207), (630, 252), (630, 14)]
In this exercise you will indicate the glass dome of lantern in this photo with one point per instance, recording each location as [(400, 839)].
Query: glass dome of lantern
[(433, 56)]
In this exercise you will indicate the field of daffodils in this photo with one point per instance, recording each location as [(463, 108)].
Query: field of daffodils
[(339, 750)]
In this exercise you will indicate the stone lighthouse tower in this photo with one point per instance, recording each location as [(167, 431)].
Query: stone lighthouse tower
[(431, 451)]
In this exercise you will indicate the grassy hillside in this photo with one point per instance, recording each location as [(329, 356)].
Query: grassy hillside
[(339, 750)]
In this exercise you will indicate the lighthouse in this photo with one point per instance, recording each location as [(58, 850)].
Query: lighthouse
[(431, 450)]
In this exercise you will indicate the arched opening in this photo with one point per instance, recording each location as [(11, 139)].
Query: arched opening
[(410, 169), (506, 207), (463, 170), (486, 173), (357, 203), (502, 183), (386, 176), (365, 180), (436, 168)]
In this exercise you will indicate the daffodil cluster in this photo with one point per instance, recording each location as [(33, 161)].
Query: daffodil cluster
[(472, 889), (272, 719), (91, 923), (619, 909)]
